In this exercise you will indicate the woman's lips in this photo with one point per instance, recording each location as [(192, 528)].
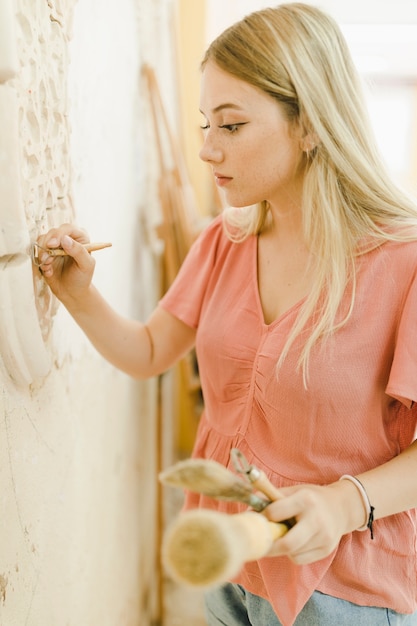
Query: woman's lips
[(221, 181)]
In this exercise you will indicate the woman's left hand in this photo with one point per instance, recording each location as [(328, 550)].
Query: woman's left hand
[(323, 514)]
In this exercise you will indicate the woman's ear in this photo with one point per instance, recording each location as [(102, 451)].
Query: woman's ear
[(309, 142)]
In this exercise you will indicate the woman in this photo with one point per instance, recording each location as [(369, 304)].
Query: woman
[(301, 302)]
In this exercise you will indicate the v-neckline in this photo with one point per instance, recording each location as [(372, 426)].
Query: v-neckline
[(284, 314)]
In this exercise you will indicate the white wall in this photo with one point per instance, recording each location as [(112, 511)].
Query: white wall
[(78, 536), (221, 13)]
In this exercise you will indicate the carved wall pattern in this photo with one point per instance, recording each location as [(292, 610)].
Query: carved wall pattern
[(35, 183), (35, 177), (60, 433)]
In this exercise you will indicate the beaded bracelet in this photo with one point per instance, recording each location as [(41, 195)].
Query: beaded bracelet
[(368, 506)]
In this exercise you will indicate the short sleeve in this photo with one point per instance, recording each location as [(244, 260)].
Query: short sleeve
[(185, 297), (402, 383)]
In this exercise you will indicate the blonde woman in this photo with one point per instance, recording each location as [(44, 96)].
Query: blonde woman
[(302, 304)]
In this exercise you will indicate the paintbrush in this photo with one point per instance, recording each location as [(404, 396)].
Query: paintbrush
[(212, 479), (204, 548), (90, 247), (257, 477)]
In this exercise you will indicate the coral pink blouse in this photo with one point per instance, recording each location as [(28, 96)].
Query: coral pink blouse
[(357, 412)]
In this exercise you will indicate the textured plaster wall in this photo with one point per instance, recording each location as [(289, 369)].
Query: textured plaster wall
[(77, 438)]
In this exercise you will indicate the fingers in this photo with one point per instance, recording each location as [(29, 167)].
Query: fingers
[(302, 545), (53, 238), (70, 239), (316, 533)]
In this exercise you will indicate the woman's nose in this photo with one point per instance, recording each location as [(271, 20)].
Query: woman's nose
[(209, 152)]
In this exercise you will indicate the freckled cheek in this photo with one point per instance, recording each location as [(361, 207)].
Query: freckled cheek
[(250, 186), (259, 178)]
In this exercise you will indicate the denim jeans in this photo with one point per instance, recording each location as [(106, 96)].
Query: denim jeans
[(231, 605)]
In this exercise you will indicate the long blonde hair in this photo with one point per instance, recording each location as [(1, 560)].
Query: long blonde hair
[(297, 54)]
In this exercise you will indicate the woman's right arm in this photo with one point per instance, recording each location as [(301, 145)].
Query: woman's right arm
[(140, 350)]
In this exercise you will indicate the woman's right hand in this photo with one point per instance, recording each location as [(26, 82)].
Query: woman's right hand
[(140, 350), (69, 277)]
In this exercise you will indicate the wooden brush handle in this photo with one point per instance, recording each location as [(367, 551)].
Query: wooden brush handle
[(257, 477), (204, 548), (260, 480), (90, 247)]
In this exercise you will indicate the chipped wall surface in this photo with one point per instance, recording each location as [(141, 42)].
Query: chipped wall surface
[(77, 438)]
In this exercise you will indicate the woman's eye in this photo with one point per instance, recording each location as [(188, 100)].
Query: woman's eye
[(232, 128)]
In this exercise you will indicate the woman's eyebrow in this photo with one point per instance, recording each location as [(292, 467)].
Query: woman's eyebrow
[(226, 105)]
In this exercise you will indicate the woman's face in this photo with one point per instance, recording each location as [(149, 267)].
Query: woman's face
[(254, 151)]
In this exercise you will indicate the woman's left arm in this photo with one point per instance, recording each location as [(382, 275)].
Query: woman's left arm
[(392, 487)]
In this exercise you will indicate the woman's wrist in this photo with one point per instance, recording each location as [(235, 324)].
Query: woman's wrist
[(80, 301), (369, 509), (350, 504)]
